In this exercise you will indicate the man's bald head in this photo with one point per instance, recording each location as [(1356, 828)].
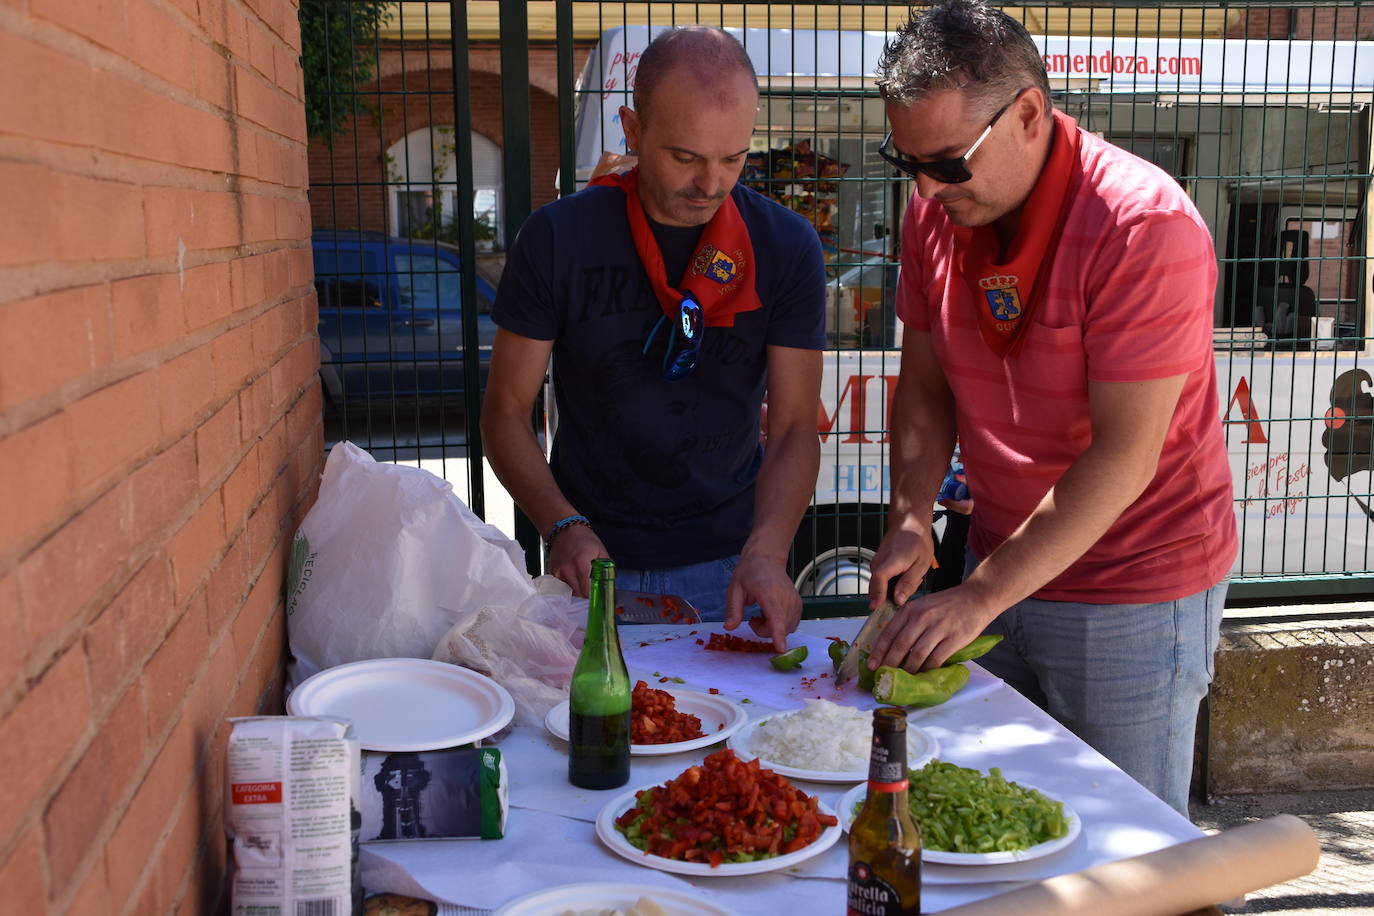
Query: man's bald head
[(709, 57)]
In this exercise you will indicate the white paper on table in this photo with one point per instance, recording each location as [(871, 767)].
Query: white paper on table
[(748, 675), (539, 850)]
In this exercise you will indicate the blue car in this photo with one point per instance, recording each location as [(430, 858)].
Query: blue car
[(391, 321)]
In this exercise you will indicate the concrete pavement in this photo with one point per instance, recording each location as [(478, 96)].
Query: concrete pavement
[(1344, 822)]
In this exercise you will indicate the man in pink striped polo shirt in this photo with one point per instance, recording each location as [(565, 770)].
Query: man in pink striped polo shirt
[(1057, 294)]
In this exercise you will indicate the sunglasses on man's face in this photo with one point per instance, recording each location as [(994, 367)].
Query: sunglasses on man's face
[(684, 339), (945, 171)]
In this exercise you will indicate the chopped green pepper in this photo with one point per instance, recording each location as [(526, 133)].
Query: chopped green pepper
[(837, 650), (899, 687), (789, 659)]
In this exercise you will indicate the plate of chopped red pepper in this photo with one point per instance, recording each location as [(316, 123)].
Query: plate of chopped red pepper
[(722, 817), (668, 721)]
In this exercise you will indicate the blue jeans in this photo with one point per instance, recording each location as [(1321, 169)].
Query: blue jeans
[(1126, 678), (702, 584)]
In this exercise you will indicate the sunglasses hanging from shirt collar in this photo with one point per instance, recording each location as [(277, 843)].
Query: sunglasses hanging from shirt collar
[(684, 339)]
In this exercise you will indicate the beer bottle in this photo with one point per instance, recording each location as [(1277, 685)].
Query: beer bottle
[(599, 701), (884, 840)]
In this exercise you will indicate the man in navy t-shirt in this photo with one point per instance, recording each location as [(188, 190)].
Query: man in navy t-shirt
[(662, 469)]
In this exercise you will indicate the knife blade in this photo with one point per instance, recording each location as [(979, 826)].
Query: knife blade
[(868, 635), (647, 607)]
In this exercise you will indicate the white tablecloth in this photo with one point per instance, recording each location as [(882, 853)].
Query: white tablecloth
[(551, 840)]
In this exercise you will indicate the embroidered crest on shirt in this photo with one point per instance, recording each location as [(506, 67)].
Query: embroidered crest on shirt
[(1003, 300), (718, 266)]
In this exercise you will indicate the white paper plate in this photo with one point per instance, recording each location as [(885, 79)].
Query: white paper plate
[(406, 704), (921, 747), (856, 794), (720, 718), (554, 901), (605, 828)]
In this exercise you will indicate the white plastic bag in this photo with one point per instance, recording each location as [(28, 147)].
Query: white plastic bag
[(530, 650), (386, 561)]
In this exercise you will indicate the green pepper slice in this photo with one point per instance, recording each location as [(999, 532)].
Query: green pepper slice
[(789, 659)]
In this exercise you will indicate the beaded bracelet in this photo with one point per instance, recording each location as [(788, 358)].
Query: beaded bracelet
[(563, 523)]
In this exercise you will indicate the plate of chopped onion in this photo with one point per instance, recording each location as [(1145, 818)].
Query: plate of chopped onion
[(668, 721), (694, 824), (823, 742), (598, 898), (972, 818)]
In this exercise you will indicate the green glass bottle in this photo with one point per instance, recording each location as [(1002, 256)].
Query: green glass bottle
[(599, 701), (885, 840)]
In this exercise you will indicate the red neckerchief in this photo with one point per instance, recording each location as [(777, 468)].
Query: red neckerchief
[(720, 274), (1007, 293)]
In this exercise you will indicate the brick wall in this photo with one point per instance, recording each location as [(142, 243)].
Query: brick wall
[(159, 431), (347, 177)]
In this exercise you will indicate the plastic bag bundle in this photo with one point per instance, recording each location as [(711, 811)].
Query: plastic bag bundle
[(386, 561), (530, 650)]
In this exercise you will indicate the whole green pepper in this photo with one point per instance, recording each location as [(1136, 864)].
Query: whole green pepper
[(899, 687), (837, 650), (979, 646)]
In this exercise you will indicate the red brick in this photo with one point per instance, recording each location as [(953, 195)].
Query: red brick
[(52, 340), (300, 267), (240, 493), (178, 872), (124, 418), (232, 352), (162, 490), (211, 70), (36, 487), (102, 21), (146, 611), (197, 220), (293, 218), (205, 141), (79, 809), (274, 268), (186, 385), (255, 408), (270, 335), (249, 280), (194, 548), (99, 220), (38, 734), (217, 443), (93, 897), (228, 583), (21, 878), (160, 43), (60, 578), (273, 455), (129, 852), (56, 107), (259, 219), (206, 295), (260, 45), (146, 314), (12, 649), (31, 229), (169, 673)]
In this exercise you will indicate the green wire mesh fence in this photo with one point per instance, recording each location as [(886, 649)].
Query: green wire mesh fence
[(447, 122)]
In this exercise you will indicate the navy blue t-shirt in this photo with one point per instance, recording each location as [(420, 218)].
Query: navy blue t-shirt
[(664, 470)]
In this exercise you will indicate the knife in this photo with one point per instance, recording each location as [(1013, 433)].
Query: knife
[(646, 607), (868, 635)]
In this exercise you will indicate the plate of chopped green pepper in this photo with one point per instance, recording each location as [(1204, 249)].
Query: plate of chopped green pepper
[(968, 817)]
